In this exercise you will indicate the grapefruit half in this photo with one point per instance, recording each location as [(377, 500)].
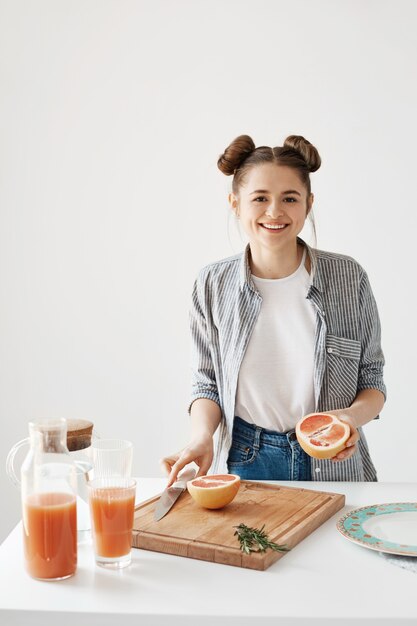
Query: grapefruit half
[(322, 435), (214, 491)]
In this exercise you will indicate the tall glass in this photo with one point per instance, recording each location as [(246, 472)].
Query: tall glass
[(112, 507), (112, 457)]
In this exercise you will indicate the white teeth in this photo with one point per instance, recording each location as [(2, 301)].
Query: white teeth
[(274, 226)]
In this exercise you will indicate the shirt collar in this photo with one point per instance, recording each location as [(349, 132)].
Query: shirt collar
[(245, 277)]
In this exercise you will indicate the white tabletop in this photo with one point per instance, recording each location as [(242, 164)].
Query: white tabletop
[(325, 576)]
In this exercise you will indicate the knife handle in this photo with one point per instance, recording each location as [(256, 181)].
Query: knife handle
[(182, 480)]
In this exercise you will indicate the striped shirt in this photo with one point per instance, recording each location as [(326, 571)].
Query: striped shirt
[(347, 352)]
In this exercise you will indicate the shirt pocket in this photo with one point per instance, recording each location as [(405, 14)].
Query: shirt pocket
[(343, 358)]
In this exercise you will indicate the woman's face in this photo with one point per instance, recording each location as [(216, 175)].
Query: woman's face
[(272, 206)]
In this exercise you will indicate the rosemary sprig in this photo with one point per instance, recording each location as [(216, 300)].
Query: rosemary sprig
[(256, 540)]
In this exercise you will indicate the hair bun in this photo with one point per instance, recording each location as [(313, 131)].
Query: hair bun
[(235, 154), (305, 149)]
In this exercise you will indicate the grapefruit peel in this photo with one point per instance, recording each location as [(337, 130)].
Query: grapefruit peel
[(214, 491), (322, 435)]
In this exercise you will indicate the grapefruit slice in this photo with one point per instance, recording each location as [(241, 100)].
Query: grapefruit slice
[(214, 491), (322, 435)]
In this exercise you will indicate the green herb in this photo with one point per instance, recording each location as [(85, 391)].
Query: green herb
[(256, 540)]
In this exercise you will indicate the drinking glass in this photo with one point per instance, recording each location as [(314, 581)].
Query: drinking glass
[(112, 457), (112, 507)]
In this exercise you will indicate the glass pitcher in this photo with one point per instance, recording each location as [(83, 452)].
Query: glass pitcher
[(79, 437), (49, 501)]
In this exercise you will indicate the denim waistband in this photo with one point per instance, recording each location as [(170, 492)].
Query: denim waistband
[(253, 432)]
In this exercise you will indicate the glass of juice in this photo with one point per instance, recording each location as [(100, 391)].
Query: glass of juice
[(112, 507)]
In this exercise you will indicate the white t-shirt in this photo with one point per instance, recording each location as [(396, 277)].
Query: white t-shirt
[(275, 385)]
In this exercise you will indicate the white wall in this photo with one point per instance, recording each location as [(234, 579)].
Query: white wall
[(112, 116)]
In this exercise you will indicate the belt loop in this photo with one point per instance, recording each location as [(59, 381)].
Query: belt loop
[(257, 437)]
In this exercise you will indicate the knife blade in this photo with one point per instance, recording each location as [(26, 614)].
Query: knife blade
[(171, 494)]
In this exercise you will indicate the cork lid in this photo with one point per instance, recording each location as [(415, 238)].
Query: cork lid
[(79, 434)]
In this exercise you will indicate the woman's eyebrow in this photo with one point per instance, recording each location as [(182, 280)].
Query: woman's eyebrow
[(284, 192)]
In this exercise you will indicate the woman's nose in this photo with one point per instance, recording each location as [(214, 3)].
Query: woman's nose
[(273, 210)]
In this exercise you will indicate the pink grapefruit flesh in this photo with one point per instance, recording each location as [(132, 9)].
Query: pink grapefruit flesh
[(214, 491), (322, 435)]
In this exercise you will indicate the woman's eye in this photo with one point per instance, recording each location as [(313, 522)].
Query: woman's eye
[(263, 199)]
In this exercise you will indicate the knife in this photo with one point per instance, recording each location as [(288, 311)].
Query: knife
[(171, 494)]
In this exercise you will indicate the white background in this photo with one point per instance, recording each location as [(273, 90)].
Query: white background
[(112, 117)]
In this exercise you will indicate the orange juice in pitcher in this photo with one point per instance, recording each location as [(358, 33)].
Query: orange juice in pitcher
[(50, 535), (49, 510)]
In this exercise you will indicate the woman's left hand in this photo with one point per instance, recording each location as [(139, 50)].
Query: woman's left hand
[(350, 445)]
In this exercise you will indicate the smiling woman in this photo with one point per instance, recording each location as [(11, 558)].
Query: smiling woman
[(280, 331), (272, 217)]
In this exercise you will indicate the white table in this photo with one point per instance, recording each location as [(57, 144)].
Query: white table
[(325, 579)]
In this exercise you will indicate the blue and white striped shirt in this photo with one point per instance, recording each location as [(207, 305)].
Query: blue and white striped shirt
[(347, 355)]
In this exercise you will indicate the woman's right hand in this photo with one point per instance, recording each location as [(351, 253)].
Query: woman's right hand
[(199, 451)]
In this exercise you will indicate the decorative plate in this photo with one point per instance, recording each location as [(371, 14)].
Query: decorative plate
[(388, 527)]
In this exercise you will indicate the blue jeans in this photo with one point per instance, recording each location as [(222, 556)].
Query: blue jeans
[(260, 454)]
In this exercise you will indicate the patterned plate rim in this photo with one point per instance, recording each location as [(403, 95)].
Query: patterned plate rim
[(365, 539)]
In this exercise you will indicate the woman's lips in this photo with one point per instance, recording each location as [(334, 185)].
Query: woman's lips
[(274, 228)]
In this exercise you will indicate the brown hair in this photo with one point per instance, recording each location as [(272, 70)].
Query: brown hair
[(241, 155)]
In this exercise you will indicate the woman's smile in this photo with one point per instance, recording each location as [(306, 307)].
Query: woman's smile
[(273, 228)]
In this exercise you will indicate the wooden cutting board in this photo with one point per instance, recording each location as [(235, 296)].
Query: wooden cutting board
[(289, 515)]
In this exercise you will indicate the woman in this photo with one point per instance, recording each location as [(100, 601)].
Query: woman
[(279, 331)]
